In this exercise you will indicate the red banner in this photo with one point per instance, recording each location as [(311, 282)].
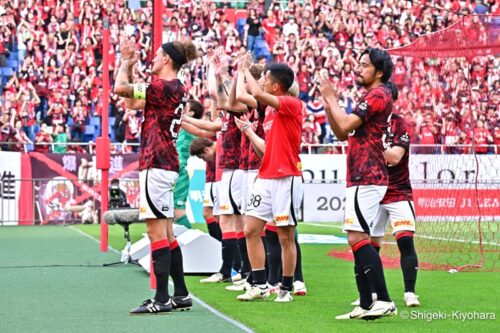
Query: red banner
[(457, 202), (67, 187)]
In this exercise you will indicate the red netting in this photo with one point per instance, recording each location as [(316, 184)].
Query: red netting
[(449, 94), (472, 36)]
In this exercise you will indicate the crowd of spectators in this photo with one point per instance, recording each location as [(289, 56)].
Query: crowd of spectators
[(57, 84)]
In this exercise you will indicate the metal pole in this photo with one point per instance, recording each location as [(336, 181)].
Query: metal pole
[(104, 131)]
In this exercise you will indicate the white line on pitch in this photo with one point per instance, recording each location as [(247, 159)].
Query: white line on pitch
[(196, 299)]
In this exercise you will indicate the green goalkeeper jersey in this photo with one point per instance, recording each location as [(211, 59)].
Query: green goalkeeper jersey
[(184, 140)]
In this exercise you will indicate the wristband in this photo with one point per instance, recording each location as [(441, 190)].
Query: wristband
[(140, 91), (246, 126)]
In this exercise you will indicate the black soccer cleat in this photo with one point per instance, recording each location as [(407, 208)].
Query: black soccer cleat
[(151, 306), (181, 303)]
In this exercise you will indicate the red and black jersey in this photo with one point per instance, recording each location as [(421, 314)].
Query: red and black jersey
[(231, 143), (365, 160), (399, 175), (165, 101), (210, 172), (245, 151), (257, 118)]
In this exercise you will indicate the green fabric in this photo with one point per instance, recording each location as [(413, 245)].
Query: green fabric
[(183, 220), (60, 138), (181, 189), (183, 142)]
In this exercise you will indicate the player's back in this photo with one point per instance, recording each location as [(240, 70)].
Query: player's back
[(399, 175), (165, 101)]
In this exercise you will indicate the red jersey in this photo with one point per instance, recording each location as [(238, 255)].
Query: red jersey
[(365, 159), (165, 101), (283, 137), (399, 188), (481, 139), (231, 143), (257, 117), (245, 151), (218, 154)]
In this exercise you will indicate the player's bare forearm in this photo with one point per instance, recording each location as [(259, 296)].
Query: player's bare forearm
[(344, 122), (223, 89), (242, 96), (191, 129), (123, 84), (393, 155), (212, 126), (258, 144)]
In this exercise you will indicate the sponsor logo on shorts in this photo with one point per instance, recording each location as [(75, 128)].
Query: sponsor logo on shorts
[(164, 208), (299, 165), (224, 207), (349, 221), (143, 209), (281, 218), (402, 223)]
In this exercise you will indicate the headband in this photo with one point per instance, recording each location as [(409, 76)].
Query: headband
[(172, 51)]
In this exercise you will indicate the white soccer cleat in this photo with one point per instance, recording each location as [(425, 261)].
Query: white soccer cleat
[(236, 277), (299, 288), (411, 300), (215, 278), (254, 293), (284, 296), (239, 287), (380, 309), (354, 314), (242, 281), (273, 289), (374, 299)]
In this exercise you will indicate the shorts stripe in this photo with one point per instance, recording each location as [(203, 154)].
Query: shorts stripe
[(359, 215), (235, 206), (212, 192), (412, 211), (153, 208), (292, 210)]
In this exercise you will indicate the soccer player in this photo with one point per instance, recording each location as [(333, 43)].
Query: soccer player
[(367, 175), (163, 102), (252, 127), (397, 206), (277, 191), (193, 109)]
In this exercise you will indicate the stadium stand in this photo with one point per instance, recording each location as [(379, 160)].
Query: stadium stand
[(50, 56)]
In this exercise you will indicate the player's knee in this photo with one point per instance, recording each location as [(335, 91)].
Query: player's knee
[(354, 237), (251, 230)]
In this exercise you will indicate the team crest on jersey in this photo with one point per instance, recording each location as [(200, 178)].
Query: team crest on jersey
[(405, 138), (363, 106)]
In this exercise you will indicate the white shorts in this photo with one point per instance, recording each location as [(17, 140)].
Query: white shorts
[(156, 194), (229, 192), (215, 192), (247, 188), (362, 203), (276, 200), (401, 214), (208, 197)]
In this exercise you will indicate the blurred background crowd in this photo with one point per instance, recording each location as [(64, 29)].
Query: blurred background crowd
[(51, 64)]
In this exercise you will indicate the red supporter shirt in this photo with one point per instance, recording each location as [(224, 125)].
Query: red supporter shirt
[(165, 101), (231, 143), (365, 160), (399, 175), (481, 138), (283, 129)]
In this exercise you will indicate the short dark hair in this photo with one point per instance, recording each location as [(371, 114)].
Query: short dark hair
[(282, 74), (198, 146), (196, 107), (382, 61)]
